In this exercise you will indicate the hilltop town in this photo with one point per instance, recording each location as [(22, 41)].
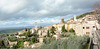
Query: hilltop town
[(35, 37)]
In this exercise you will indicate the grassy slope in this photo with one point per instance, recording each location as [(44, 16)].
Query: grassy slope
[(82, 15)]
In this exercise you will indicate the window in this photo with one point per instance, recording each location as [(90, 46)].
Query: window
[(87, 32), (87, 27), (83, 27), (93, 26)]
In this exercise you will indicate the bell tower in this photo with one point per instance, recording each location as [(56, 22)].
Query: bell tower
[(62, 20), (36, 26), (75, 18)]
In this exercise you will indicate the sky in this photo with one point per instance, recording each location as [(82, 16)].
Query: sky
[(22, 13)]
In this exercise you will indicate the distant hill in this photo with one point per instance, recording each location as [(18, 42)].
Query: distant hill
[(11, 30), (82, 15)]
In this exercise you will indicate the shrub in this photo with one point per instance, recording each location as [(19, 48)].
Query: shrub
[(66, 35), (60, 44), (34, 39), (48, 40), (73, 42), (20, 44), (76, 42), (71, 30), (12, 39)]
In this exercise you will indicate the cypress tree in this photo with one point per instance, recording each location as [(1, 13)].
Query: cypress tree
[(63, 29), (48, 35)]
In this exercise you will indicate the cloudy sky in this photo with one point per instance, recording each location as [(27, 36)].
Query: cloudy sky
[(21, 13)]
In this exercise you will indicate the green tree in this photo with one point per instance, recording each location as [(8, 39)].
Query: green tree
[(2, 45), (71, 30), (20, 44), (34, 38), (41, 33), (48, 35), (63, 29), (73, 42), (52, 30)]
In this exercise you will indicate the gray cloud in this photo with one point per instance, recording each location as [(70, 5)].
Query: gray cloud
[(15, 10)]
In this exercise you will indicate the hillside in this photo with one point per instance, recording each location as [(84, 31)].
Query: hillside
[(82, 15), (10, 30)]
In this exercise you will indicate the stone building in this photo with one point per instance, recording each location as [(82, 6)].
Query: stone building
[(12, 43), (58, 26), (44, 30), (68, 25), (26, 44), (82, 26), (87, 26), (36, 27), (23, 31), (62, 20)]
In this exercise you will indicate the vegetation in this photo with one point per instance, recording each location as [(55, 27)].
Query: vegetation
[(81, 16), (52, 30), (2, 44), (80, 41), (34, 38), (12, 39), (25, 34), (68, 34), (48, 40), (63, 29), (48, 35), (20, 44), (86, 46), (60, 44), (41, 33), (73, 42), (40, 27), (71, 30)]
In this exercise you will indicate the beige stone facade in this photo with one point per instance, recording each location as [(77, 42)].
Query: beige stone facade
[(85, 28), (12, 43), (26, 44)]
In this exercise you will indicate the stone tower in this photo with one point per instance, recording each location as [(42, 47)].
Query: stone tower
[(25, 29), (75, 18), (36, 26), (62, 20)]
